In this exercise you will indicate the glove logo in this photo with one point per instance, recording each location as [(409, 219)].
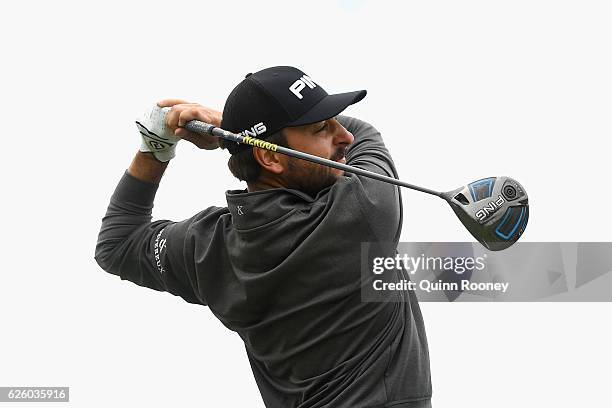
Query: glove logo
[(156, 145)]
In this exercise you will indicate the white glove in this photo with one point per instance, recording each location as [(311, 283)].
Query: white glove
[(156, 137)]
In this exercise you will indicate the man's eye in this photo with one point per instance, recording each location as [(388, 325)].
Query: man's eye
[(322, 127)]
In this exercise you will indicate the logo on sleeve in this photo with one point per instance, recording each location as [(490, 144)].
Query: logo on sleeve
[(160, 245)]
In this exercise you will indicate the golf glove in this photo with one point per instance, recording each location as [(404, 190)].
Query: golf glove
[(156, 137)]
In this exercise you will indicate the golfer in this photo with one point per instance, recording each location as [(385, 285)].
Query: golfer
[(281, 264)]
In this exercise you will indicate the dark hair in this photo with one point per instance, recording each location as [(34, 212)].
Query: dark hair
[(243, 165)]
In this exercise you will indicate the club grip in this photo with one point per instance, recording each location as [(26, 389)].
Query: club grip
[(196, 126)]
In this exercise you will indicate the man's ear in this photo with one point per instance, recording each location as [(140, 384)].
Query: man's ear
[(271, 161)]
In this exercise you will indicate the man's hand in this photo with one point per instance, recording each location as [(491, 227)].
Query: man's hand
[(157, 138), (150, 163), (182, 112)]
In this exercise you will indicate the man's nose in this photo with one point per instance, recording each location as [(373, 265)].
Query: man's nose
[(342, 136)]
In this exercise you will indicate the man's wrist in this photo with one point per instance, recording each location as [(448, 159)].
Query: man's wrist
[(145, 167)]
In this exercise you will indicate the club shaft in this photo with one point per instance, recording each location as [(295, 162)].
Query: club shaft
[(196, 126)]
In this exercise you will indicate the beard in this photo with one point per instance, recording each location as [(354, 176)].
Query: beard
[(310, 177)]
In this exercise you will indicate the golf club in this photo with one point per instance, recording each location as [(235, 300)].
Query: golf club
[(495, 210)]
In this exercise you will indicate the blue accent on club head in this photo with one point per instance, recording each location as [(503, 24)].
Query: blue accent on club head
[(509, 212), (524, 223), (479, 183)]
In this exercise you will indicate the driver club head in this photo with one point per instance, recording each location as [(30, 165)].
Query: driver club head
[(495, 210)]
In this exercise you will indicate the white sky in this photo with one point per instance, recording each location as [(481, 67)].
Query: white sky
[(460, 90)]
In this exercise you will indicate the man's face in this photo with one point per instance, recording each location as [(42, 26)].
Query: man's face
[(327, 139)]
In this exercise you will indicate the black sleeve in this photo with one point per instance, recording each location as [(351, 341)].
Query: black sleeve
[(380, 202), (368, 151), (150, 254)]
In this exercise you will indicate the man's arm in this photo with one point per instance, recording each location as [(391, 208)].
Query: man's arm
[(145, 167), (381, 202), (368, 151), (129, 245)]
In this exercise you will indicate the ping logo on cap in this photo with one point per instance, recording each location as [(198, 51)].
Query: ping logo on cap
[(248, 137), (300, 84), (255, 130)]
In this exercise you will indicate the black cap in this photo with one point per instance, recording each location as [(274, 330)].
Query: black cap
[(274, 98)]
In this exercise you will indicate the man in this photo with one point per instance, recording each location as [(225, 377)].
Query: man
[(280, 265)]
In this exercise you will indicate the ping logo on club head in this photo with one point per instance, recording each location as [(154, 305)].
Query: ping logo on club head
[(490, 209), (255, 130), (300, 84)]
